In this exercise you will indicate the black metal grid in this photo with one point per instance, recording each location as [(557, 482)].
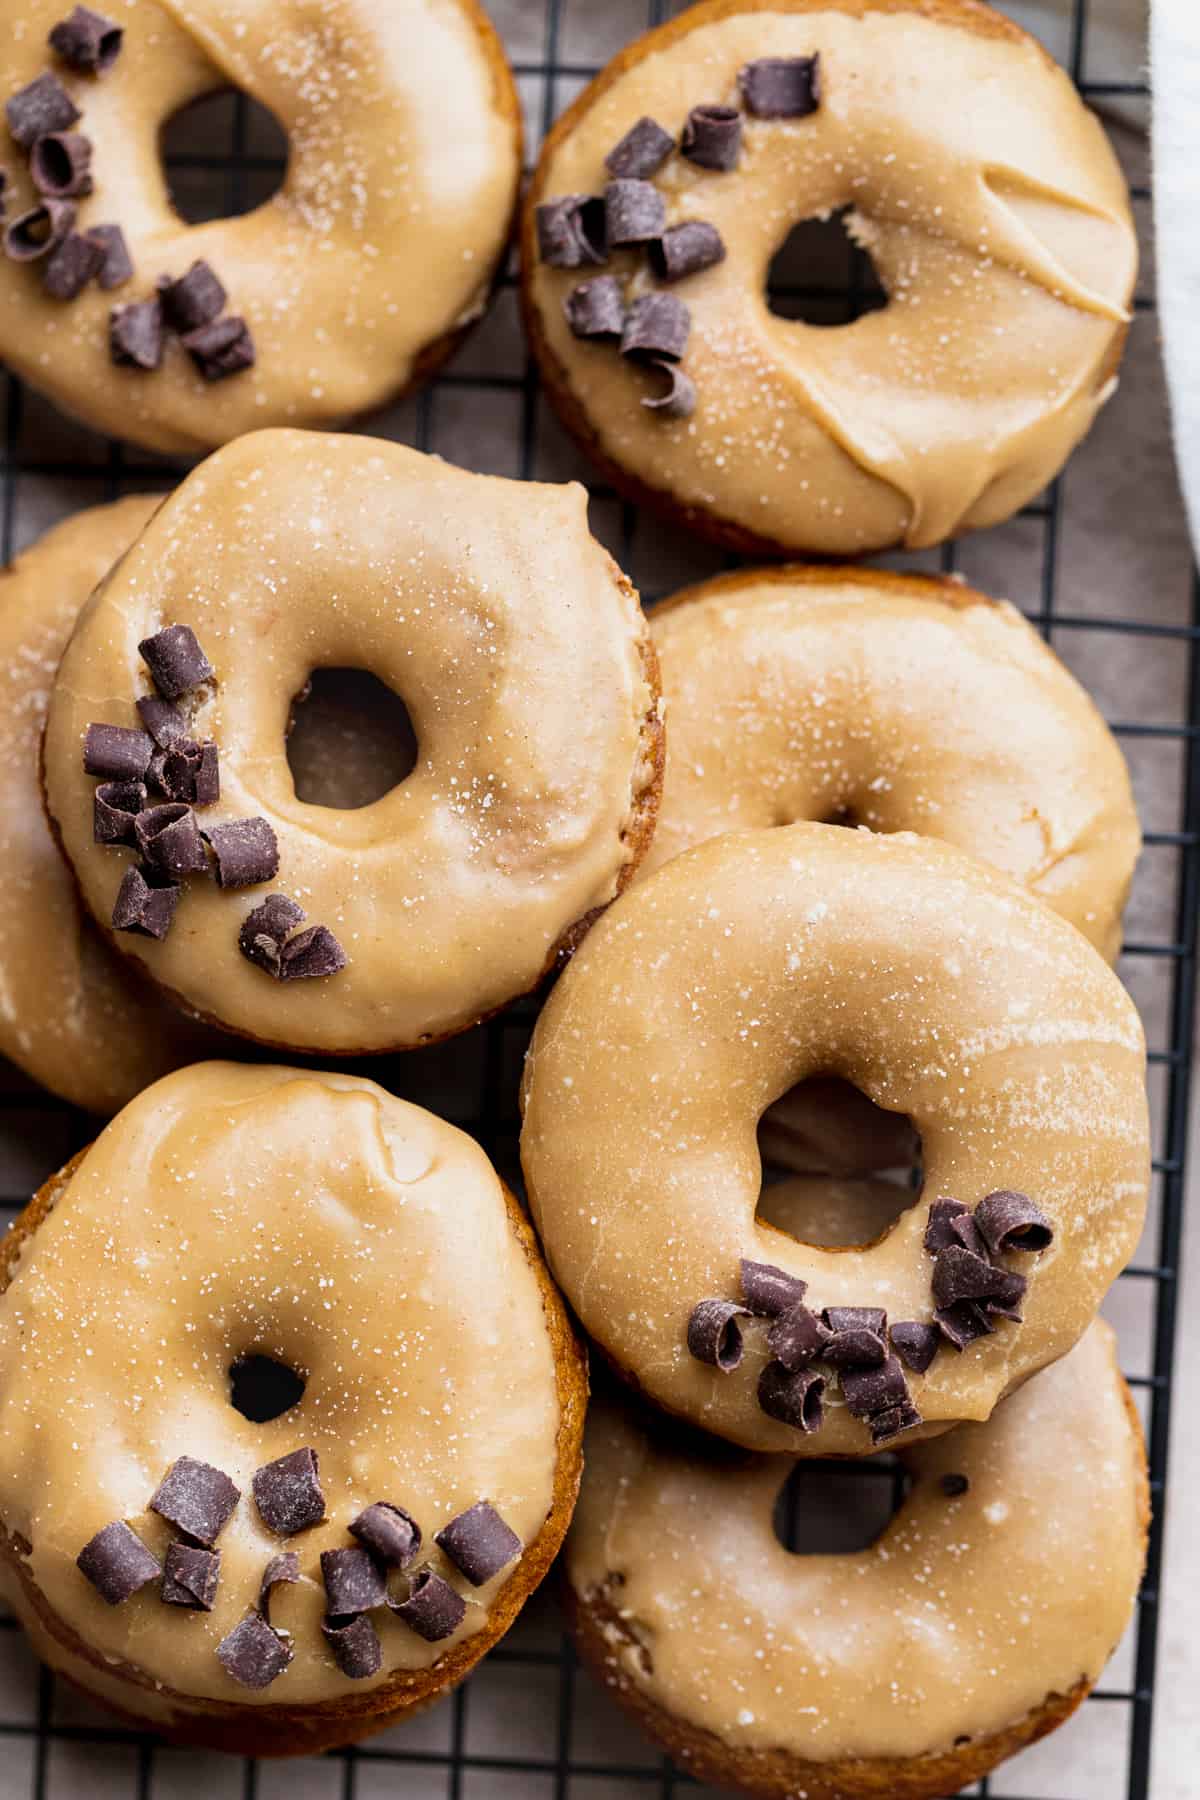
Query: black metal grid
[(482, 1097)]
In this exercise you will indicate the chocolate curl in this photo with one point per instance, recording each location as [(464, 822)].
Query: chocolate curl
[(714, 1336)]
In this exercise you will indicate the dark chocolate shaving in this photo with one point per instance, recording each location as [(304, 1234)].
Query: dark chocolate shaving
[(246, 851), (596, 308), (162, 719), (221, 349), (87, 41), (253, 1654), (856, 1318), (939, 1231), (686, 249), (644, 148), (874, 1390), (310, 955), (282, 1568), (175, 660), (959, 1274), (712, 137), (117, 266), (1011, 1221), (769, 1291), (114, 809), (195, 299), (190, 772), (431, 1608), (355, 1645), (678, 398), (962, 1323), (190, 1576), (44, 105), (889, 1424), (39, 231), (135, 334), (570, 231), (954, 1485), (713, 1333), (264, 931), (656, 328), (915, 1343), (169, 839), (389, 1533), (145, 903), (853, 1349), (964, 1231), (781, 87), (61, 163), (196, 1498), (793, 1396), (116, 752), (479, 1542), (797, 1337), (288, 1493), (634, 213), (71, 265), (117, 1563), (354, 1582)]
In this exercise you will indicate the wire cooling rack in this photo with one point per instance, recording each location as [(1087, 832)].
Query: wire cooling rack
[(528, 1725)]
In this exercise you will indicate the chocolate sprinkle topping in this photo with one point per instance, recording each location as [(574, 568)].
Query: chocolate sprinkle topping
[(175, 660), (116, 752), (656, 327), (781, 87), (60, 163), (246, 851), (644, 148), (433, 1609), (196, 299), (889, 1424), (42, 229), (714, 1336), (196, 1498), (874, 1390), (797, 1337), (854, 1349), (135, 334), (479, 1542), (223, 348), (964, 1231), (769, 1291), (570, 231), (288, 1493), (169, 838), (1011, 1221), (190, 1576), (355, 1645), (354, 1582), (954, 1485), (310, 955), (686, 249), (792, 1396), (962, 1323), (678, 398), (87, 41), (959, 1274), (282, 1568), (71, 266), (915, 1343), (117, 1563), (114, 809), (634, 212), (596, 308), (162, 719), (190, 772), (44, 105), (939, 1233), (145, 903), (712, 137), (264, 930), (388, 1532), (856, 1318), (253, 1654), (117, 266)]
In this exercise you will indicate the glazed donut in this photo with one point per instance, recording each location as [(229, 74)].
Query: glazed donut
[(72, 1015), (1001, 232), (525, 663), (404, 140), (975, 1624), (899, 702), (233, 1212), (941, 990)]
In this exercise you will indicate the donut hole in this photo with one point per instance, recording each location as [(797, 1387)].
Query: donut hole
[(350, 739), (839, 1508), (222, 156), (838, 1171), (820, 276), (261, 1388)]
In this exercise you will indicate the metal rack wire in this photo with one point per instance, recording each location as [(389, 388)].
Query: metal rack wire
[(474, 1083)]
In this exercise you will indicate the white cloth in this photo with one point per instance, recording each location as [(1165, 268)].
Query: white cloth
[(1175, 77)]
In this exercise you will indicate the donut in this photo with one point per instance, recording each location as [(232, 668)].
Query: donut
[(72, 1015), (942, 991), (403, 154), (1001, 233), (281, 1586), (898, 702), (525, 663), (974, 1625)]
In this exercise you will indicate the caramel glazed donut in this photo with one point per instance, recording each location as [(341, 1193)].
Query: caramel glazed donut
[(403, 153), (526, 666), (941, 990), (975, 1624), (1001, 232), (282, 1587)]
